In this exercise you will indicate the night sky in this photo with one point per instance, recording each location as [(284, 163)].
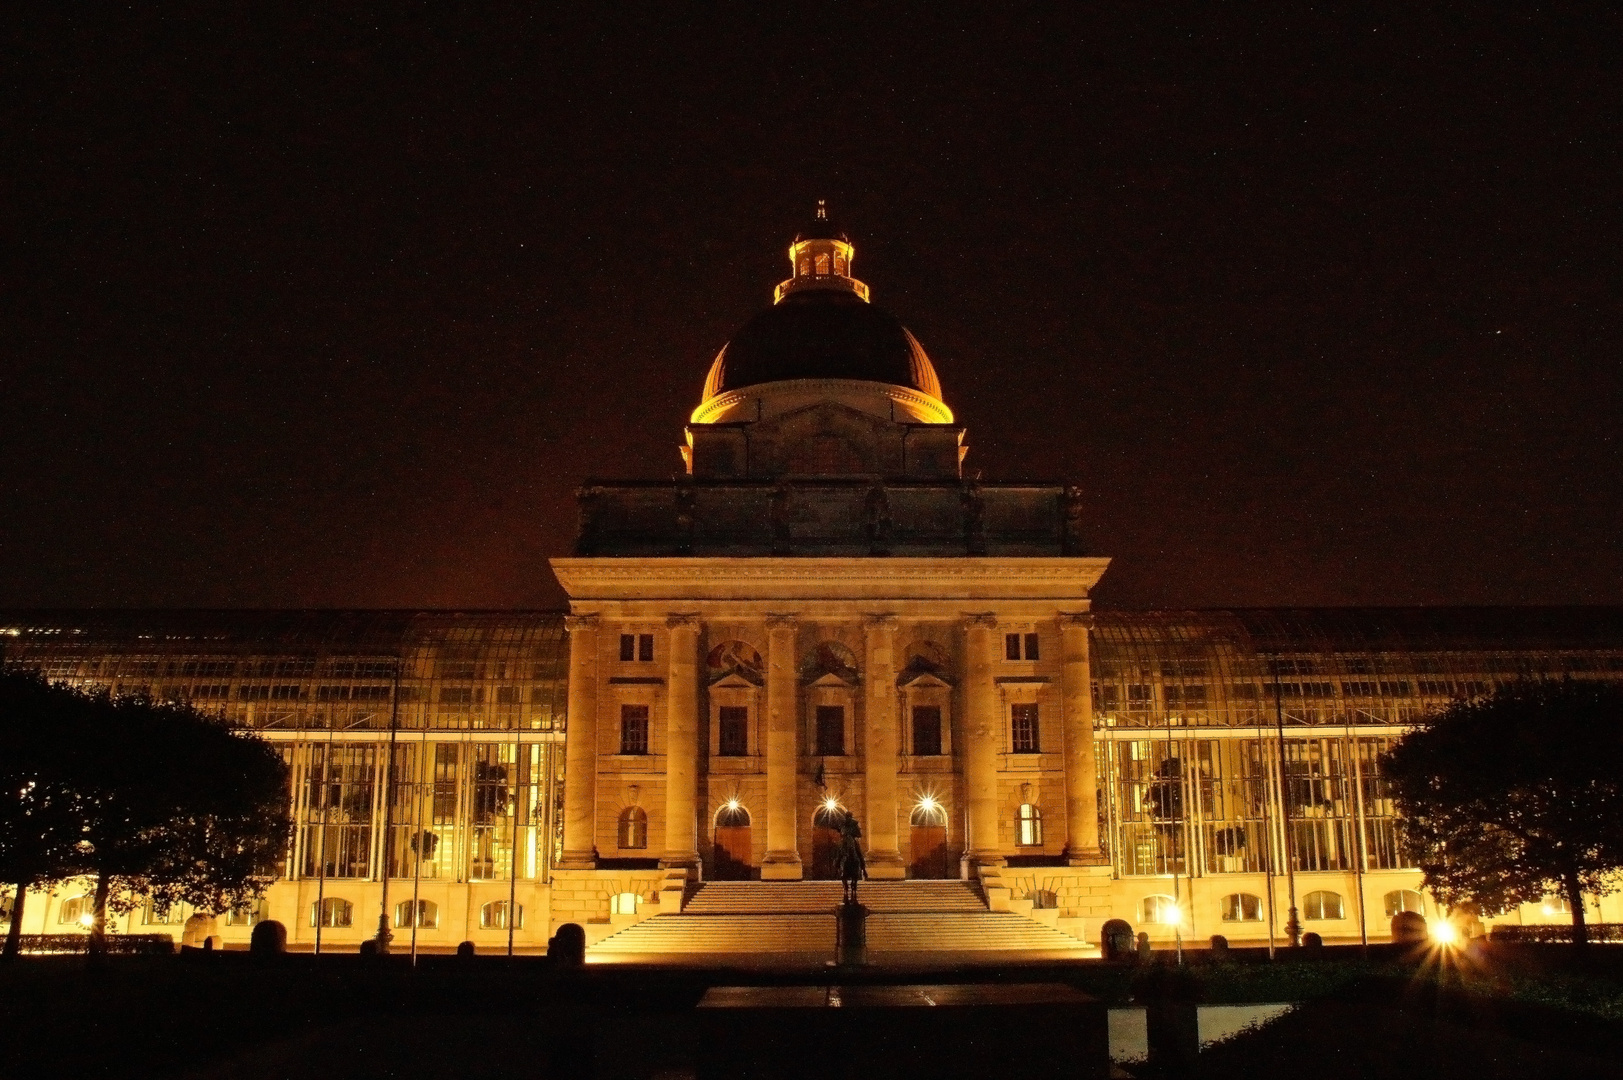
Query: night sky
[(1318, 307)]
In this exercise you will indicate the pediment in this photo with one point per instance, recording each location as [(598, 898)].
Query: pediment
[(922, 680), (832, 679), (734, 680)]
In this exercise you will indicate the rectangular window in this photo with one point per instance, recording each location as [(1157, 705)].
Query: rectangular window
[(734, 721), (633, 729), (628, 646), (1031, 647), (645, 646), (1011, 646), (926, 729), (1023, 719), (831, 730)]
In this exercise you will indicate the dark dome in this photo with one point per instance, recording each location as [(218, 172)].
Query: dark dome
[(822, 334)]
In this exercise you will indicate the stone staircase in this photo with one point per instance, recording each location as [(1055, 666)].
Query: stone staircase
[(819, 897), (913, 918)]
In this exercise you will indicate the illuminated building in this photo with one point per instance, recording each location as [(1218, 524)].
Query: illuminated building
[(823, 615)]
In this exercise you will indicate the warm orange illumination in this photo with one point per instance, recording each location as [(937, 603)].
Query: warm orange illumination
[(1444, 933)]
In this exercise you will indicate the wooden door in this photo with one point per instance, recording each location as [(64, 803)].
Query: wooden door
[(825, 853), (733, 853), (929, 847)]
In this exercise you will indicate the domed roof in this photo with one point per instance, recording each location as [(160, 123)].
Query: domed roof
[(822, 334)]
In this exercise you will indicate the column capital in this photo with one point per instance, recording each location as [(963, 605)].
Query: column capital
[(880, 621), (681, 622), (1076, 618), (985, 618), (782, 622), (573, 623)]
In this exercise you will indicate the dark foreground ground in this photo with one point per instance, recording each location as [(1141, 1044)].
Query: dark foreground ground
[(1531, 1011)]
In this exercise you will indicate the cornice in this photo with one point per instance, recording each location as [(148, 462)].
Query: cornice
[(1057, 578)]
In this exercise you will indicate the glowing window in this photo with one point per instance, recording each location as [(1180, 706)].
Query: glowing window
[(332, 911), (1323, 905), (246, 916), (173, 915), (75, 910), (493, 916), (424, 914), (822, 264), (1242, 907), (1404, 900), (633, 828), (1160, 909), (624, 903), (1030, 824)]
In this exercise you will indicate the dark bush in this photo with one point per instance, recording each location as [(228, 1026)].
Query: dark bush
[(1116, 940), (1310, 940), (466, 949), (1409, 928), (1220, 944), (269, 938), (568, 946)]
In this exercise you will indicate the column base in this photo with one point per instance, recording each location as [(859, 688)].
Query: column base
[(886, 866), (577, 860), (782, 866), (976, 861), (679, 860), (1093, 857)]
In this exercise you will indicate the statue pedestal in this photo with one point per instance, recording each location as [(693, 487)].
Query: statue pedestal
[(850, 935)]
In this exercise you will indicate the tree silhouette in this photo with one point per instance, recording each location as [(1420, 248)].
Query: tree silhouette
[(1509, 798), (39, 800)]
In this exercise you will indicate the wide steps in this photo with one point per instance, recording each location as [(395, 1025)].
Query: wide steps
[(820, 897), (902, 932)]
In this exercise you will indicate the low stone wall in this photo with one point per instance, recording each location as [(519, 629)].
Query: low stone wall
[(583, 896), (1080, 895)]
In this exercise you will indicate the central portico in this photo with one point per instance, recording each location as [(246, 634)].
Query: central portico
[(822, 617)]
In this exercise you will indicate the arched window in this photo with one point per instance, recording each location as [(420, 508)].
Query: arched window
[(1242, 907), (427, 914), (633, 828), (928, 812), (1556, 905), (333, 911), (1030, 826), (1323, 905), (1404, 900), (76, 911), (493, 916), (1159, 909), (173, 915), (732, 815), (246, 916)]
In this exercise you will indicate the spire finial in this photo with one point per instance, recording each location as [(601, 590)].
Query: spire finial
[(822, 209)]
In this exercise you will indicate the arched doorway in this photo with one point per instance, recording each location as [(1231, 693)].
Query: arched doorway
[(826, 842), (732, 850), (929, 841)]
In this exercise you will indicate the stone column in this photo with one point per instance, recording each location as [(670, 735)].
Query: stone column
[(879, 746), (580, 747), (782, 859), (681, 744), (1081, 780), (984, 726)]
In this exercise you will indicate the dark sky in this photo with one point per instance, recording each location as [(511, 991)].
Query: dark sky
[(1318, 307)]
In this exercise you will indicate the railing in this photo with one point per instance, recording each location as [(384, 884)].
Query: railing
[(117, 944), (1556, 932)]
